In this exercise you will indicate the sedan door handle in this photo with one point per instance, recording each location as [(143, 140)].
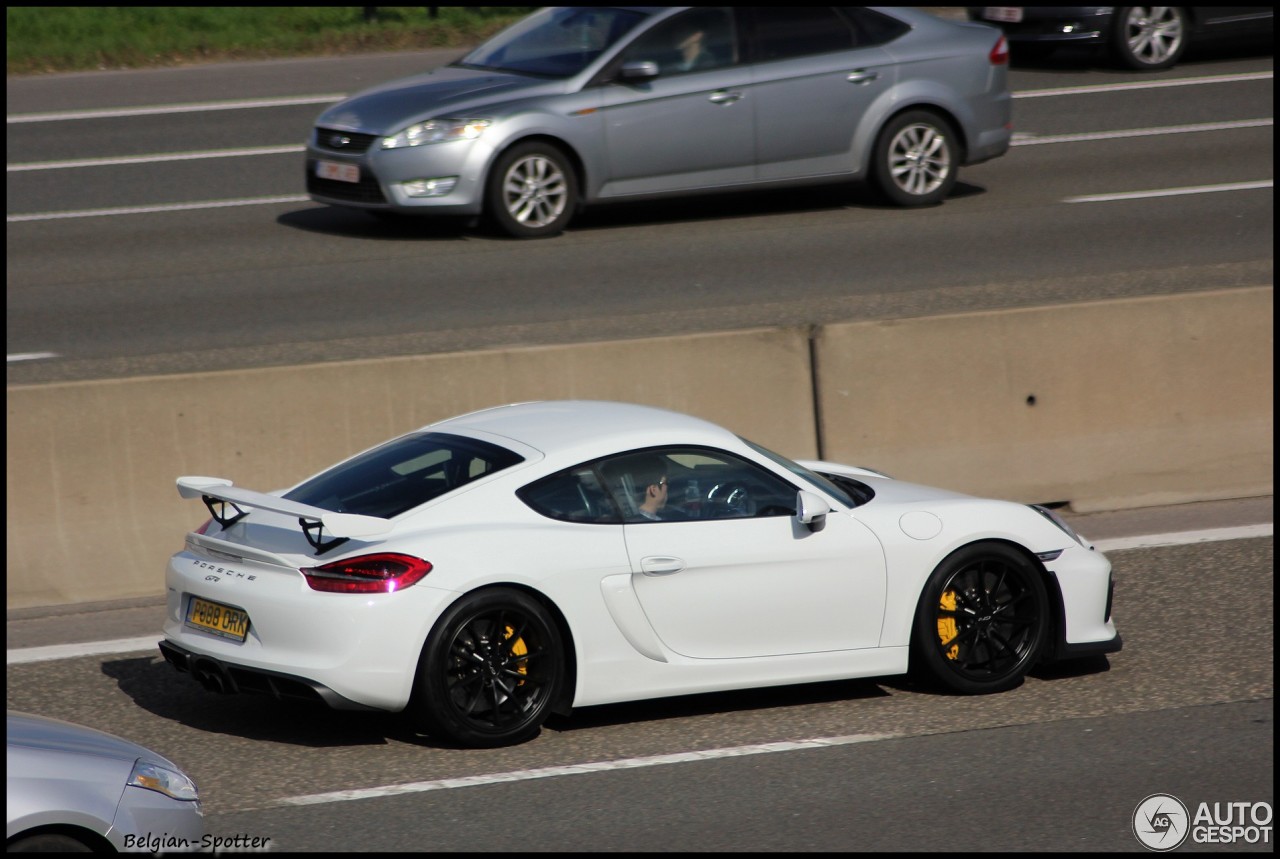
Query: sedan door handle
[(724, 97), (660, 565), (861, 76)]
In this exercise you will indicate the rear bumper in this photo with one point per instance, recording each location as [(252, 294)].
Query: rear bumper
[(228, 678)]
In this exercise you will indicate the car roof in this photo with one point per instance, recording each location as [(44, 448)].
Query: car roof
[(587, 426)]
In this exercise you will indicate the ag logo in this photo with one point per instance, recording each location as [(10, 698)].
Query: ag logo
[(1161, 822)]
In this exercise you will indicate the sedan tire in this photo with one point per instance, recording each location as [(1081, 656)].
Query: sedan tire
[(490, 672), (532, 191), (982, 621), (1149, 37), (916, 159)]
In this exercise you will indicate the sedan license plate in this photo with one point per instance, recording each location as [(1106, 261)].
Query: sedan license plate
[(1010, 14), (338, 171), (218, 618)]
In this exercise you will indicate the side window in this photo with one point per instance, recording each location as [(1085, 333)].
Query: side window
[(571, 496), (786, 32), (682, 484), (873, 28), (692, 42)]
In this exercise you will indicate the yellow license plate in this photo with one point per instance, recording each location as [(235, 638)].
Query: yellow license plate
[(218, 618)]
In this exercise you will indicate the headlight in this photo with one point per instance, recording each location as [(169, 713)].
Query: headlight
[(163, 780), (1059, 521), (436, 131)]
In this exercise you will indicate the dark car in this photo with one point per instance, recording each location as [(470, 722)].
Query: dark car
[(582, 105), (1136, 37)]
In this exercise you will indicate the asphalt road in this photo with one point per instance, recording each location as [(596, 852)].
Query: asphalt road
[(1058, 764), (105, 281)]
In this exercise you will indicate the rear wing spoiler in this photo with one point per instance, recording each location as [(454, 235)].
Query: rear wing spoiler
[(218, 492)]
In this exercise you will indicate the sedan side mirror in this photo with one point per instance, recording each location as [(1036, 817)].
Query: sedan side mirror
[(811, 510), (636, 72)]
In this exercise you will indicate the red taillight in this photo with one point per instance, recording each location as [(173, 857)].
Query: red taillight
[(379, 573), (204, 529), (1000, 53)]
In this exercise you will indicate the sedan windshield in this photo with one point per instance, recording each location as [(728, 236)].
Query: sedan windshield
[(554, 42)]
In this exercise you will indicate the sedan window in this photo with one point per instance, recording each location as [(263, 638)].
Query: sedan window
[(403, 474), (692, 42), (785, 32)]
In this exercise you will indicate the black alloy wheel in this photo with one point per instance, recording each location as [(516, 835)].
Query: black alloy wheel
[(983, 619), (491, 670)]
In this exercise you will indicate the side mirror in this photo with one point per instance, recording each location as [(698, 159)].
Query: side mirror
[(638, 71), (811, 510)]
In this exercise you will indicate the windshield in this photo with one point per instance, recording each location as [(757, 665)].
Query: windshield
[(554, 42), (805, 474)]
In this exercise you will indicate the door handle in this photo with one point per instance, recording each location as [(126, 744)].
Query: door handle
[(861, 76), (724, 97), (660, 565)]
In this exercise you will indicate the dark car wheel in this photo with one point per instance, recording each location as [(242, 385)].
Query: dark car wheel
[(532, 191), (48, 842), (982, 621), (916, 158), (1149, 37), (490, 671)]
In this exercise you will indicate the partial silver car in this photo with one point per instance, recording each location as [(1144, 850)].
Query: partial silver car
[(585, 105), (75, 789)]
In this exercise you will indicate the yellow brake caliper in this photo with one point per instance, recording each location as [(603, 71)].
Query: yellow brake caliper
[(947, 630), (518, 648)]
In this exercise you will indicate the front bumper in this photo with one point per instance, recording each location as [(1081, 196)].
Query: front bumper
[(385, 172)]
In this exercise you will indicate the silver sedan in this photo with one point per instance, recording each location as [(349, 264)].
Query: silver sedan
[(74, 789), (579, 105)]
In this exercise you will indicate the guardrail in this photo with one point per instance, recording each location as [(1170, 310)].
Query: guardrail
[(1103, 404)]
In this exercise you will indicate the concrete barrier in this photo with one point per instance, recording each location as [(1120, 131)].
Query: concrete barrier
[(1109, 404), (92, 511), (1106, 405)]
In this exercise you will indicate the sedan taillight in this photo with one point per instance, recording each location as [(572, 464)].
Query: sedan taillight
[(1000, 53), (379, 573)]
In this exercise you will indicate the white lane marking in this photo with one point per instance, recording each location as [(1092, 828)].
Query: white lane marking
[(118, 112), (1084, 90), (131, 645), (1185, 538), (143, 210), (87, 648), (1025, 139), (1171, 192), (150, 159), (30, 356), (582, 769)]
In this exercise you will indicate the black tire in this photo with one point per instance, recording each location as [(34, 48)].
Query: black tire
[(532, 191), (490, 672), (916, 159), (48, 842), (982, 621), (1148, 37)]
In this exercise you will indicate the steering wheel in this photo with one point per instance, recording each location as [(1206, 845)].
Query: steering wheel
[(730, 501)]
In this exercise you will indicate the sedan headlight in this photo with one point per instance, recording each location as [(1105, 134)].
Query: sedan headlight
[(163, 780), (436, 131)]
